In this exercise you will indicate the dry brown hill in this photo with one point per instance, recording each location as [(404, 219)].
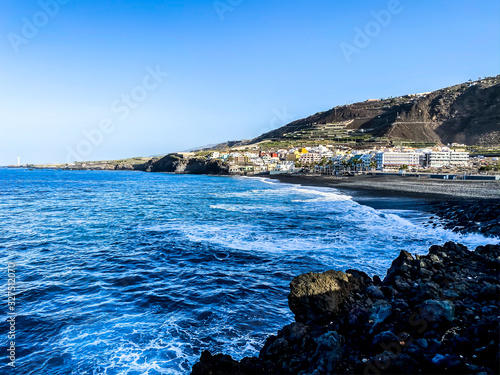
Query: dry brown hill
[(467, 113)]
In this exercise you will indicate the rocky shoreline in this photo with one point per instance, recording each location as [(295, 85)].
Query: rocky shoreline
[(471, 217), (172, 163), (431, 314), (178, 163)]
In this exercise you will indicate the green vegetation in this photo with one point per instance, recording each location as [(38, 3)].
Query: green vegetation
[(490, 167), (478, 150), (277, 143), (414, 144)]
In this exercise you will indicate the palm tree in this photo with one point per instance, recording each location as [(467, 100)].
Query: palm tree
[(345, 164), (329, 163), (358, 162)]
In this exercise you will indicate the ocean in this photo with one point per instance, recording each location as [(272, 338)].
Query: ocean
[(138, 273)]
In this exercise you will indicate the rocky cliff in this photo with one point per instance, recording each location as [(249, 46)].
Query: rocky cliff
[(178, 163), (432, 314)]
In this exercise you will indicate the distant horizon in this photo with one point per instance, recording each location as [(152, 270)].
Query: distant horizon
[(101, 80)]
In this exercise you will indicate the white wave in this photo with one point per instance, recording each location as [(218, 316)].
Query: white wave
[(352, 232), (265, 180), (323, 191), (225, 207), (250, 208), (300, 193)]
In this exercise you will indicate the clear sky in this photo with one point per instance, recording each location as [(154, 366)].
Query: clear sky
[(108, 79)]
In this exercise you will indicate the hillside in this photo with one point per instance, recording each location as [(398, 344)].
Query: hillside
[(467, 113)]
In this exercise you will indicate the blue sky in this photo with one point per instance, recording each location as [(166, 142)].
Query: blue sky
[(93, 80)]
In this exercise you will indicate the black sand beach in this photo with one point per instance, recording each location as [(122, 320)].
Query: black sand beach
[(391, 185)]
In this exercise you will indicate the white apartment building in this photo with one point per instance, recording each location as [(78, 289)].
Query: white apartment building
[(327, 154), (310, 158), (285, 166), (438, 159), (394, 160)]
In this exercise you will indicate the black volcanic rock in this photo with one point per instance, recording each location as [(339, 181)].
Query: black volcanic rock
[(437, 313), (202, 166), (471, 217), (216, 365), (168, 163), (178, 163)]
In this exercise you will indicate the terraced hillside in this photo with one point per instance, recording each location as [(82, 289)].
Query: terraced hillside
[(467, 113)]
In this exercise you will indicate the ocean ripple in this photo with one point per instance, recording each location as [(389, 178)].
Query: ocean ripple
[(136, 273)]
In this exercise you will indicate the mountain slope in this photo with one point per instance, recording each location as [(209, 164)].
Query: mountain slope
[(467, 113)]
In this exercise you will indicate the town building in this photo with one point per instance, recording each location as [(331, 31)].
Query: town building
[(438, 159), (310, 158), (395, 160)]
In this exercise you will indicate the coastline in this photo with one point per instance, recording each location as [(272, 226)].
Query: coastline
[(376, 185), (394, 186), (436, 313), (466, 207), (432, 314)]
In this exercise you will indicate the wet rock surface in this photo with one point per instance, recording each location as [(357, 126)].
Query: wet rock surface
[(471, 217), (432, 314)]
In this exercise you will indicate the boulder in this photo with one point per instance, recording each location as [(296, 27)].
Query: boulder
[(294, 332), (437, 311), (401, 266), (386, 337), (216, 365), (374, 292), (320, 296), (379, 313), (329, 352)]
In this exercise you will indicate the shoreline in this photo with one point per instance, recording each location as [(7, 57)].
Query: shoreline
[(463, 212), (368, 185), (433, 314), (398, 186)]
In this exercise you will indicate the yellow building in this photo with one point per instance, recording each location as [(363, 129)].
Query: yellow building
[(271, 167), (293, 156)]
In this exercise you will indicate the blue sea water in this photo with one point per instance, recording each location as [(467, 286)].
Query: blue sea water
[(138, 273)]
